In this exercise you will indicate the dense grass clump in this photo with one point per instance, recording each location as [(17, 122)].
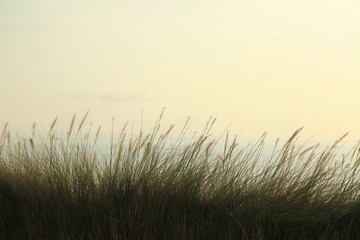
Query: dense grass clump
[(154, 187)]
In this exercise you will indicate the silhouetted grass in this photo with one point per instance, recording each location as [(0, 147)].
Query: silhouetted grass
[(151, 187)]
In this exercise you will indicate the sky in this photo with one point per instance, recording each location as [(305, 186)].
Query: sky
[(262, 65)]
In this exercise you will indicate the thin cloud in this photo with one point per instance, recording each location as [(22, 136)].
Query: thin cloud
[(80, 95), (122, 96), (76, 95)]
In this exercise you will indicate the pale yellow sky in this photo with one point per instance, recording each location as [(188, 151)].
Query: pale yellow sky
[(265, 65)]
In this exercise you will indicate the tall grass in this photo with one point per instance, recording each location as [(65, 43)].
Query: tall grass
[(154, 187)]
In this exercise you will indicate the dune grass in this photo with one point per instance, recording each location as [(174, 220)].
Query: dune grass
[(154, 187)]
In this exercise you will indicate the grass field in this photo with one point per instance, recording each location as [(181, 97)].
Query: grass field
[(151, 186)]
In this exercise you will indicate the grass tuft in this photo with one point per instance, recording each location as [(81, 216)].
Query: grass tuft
[(152, 186)]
